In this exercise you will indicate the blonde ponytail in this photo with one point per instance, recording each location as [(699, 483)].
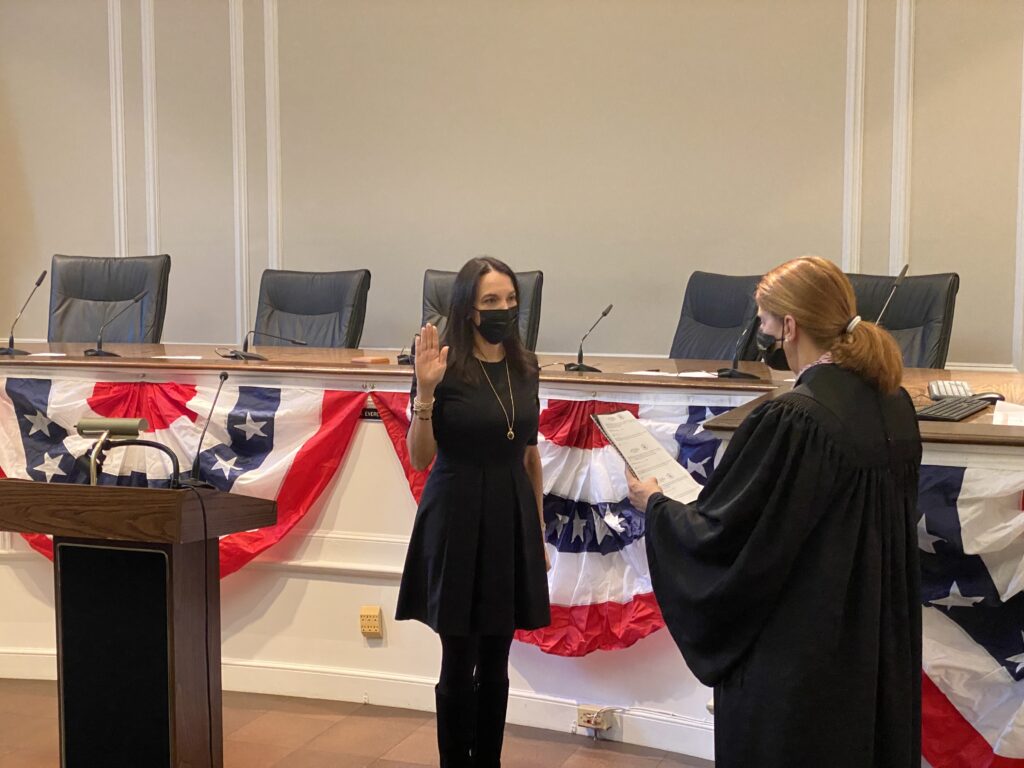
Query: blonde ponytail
[(873, 353)]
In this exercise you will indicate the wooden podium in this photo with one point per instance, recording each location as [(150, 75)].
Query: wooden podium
[(138, 616)]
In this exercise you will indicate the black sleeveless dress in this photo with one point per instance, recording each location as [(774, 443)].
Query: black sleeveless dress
[(475, 564)]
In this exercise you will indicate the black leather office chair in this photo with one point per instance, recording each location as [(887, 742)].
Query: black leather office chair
[(87, 291), (323, 309), (437, 294), (920, 316), (716, 311)]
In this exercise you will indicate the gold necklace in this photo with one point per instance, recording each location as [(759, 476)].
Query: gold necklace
[(511, 435)]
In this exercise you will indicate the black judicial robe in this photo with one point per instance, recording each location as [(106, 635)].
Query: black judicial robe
[(791, 585)]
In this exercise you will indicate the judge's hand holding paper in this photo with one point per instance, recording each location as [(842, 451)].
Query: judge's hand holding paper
[(650, 468)]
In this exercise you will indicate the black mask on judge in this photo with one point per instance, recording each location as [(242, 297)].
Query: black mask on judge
[(498, 325), (772, 351)]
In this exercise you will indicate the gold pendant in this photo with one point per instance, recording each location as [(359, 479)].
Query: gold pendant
[(511, 435)]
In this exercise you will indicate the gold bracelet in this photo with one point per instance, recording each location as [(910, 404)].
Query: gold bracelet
[(418, 406)]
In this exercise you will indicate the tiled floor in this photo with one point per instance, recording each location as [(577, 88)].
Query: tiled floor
[(279, 732)]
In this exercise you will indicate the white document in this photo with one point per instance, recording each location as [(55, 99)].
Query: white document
[(1008, 414), (47, 354), (683, 375), (646, 456), (176, 357)]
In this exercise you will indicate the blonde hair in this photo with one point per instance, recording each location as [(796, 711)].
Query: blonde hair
[(817, 294)]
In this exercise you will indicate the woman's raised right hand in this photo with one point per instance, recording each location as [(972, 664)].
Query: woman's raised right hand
[(431, 360)]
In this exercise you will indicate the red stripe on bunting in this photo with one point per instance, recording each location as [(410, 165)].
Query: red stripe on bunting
[(314, 466), (948, 740), (159, 404), (567, 422), (393, 408), (577, 630)]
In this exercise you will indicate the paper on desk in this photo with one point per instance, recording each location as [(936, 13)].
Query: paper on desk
[(47, 354), (646, 456), (683, 375), (176, 357), (1008, 414)]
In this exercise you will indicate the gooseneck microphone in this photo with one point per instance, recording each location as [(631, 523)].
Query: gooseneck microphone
[(734, 373), (9, 349), (98, 350), (193, 481), (899, 279), (245, 354), (579, 365)]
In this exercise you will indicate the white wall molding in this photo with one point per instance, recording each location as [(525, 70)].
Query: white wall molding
[(982, 367), (853, 134), (28, 663), (649, 728), (902, 129), (1017, 353), (5, 542), (243, 320), (275, 259), (116, 66), (149, 125)]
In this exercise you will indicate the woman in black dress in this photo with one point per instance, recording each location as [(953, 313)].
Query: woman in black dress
[(475, 569), (791, 584)]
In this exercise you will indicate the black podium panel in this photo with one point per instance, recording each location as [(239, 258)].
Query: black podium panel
[(114, 629)]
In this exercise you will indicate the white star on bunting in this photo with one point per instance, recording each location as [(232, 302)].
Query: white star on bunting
[(1018, 659), (600, 529), (50, 467), (561, 521), (251, 428), (697, 467), (39, 423), (579, 528), (225, 466), (955, 599), (925, 540)]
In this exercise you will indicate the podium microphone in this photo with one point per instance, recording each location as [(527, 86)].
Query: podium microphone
[(579, 365), (245, 354), (9, 349), (734, 373), (899, 279), (98, 350), (193, 481)]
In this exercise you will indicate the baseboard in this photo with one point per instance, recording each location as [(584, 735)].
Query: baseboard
[(982, 367), (28, 663), (657, 730)]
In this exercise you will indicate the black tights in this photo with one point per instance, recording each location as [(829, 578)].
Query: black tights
[(466, 660)]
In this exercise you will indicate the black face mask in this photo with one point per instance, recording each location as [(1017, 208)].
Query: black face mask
[(772, 351), (498, 325)]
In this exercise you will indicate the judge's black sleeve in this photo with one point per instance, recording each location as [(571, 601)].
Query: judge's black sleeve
[(719, 563)]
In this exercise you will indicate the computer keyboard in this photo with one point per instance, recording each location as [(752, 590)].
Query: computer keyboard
[(941, 388), (951, 409)]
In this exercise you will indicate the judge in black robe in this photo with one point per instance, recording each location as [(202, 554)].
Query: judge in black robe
[(791, 585)]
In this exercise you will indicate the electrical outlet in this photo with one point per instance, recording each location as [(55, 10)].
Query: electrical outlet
[(371, 622), (590, 716)]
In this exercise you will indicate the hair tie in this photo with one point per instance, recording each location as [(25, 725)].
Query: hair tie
[(854, 322)]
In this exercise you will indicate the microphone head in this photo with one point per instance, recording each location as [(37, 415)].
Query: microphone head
[(607, 310), (139, 298), (41, 278), (902, 274), (298, 342), (223, 375)]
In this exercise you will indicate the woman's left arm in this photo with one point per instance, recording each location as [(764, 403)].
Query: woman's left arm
[(535, 471)]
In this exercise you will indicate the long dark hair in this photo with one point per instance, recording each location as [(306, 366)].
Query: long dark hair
[(459, 332)]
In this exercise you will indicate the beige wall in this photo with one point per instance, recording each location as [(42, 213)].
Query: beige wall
[(616, 144)]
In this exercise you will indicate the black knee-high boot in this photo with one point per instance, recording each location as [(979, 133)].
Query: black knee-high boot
[(455, 726), (492, 704)]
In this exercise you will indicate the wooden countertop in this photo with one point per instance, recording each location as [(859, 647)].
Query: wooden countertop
[(200, 358), (978, 430)]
